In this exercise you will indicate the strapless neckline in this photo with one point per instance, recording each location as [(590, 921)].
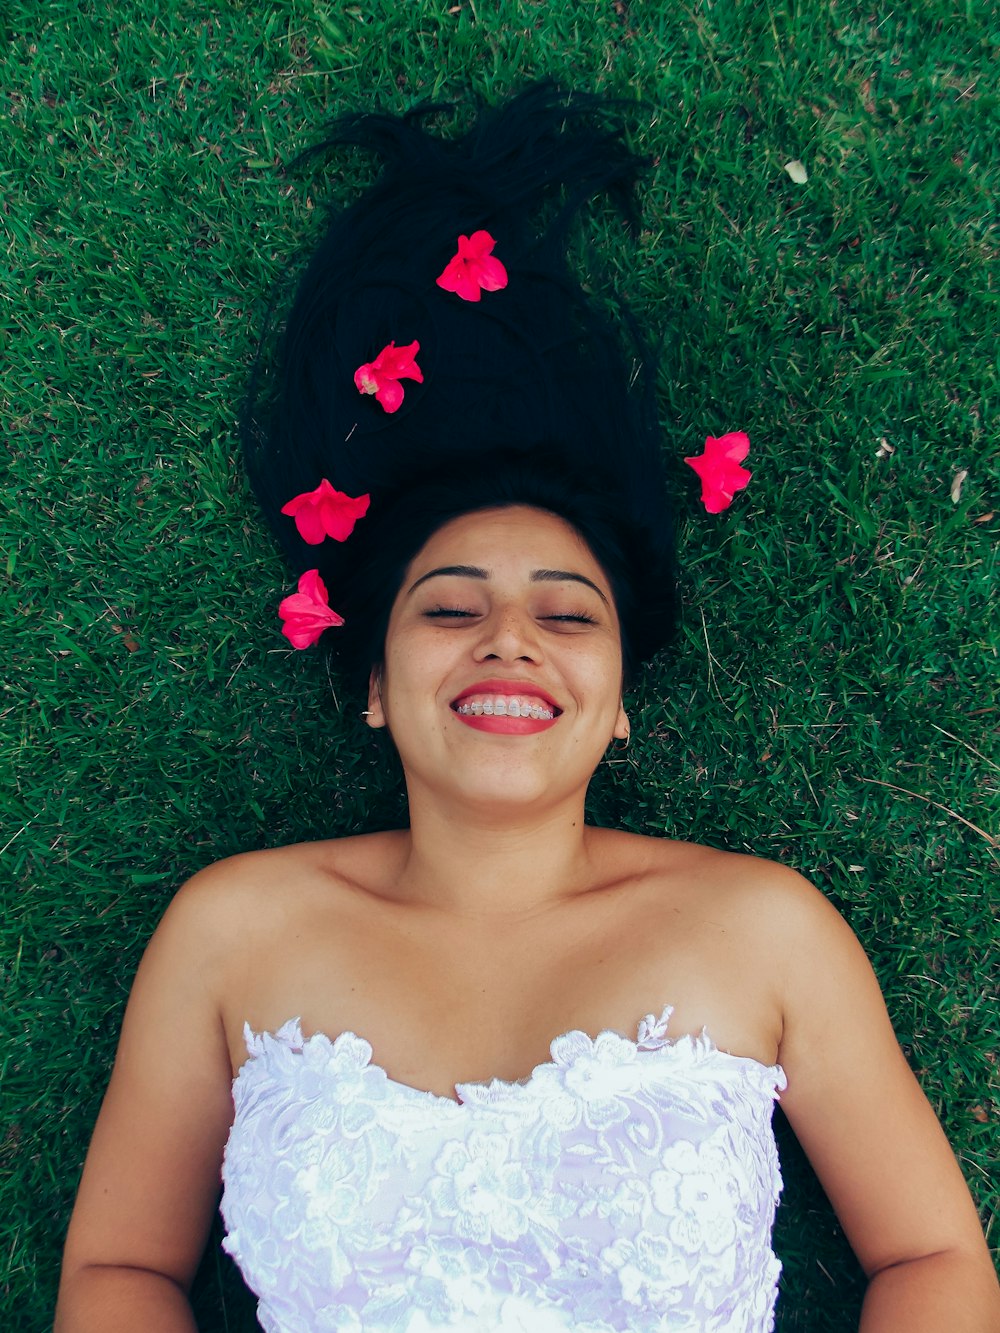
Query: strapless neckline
[(623, 1185), (609, 1047)]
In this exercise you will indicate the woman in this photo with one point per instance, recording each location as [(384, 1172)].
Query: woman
[(462, 1097)]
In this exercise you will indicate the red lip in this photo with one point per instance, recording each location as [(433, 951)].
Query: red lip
[(507, 726), (509, 687)]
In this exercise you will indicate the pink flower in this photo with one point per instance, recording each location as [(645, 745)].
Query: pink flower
[(473, 270), (720, 471), (307, 613), (325, 512), (381, 376)]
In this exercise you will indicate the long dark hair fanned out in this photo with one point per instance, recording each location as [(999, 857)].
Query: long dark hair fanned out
[(525, 397)]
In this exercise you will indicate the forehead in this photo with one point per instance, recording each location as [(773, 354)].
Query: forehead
[(516, 536)]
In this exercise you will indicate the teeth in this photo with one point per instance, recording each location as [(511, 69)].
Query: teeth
[(503, 706)]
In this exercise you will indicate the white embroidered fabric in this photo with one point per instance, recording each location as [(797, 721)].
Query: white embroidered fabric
[(622, 1186)]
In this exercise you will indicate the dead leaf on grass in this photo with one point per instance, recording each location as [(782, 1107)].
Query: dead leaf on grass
[(956, 485)]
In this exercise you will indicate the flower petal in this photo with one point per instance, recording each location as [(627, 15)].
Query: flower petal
[(398, 362), (472, 269), (381, 376), (340, 515), (719, 469), (476, 246), (467, 286), (310, 525), (735, 445), (458, 279), (494, 275), (390, 395), (307, 613), (326, 512)]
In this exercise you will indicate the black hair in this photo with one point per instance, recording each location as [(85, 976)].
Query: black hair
[(526, 396)]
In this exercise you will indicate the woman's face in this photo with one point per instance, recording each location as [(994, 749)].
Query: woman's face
[(502, 674)]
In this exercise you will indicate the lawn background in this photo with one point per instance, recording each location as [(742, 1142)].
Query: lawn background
[(832, 697)]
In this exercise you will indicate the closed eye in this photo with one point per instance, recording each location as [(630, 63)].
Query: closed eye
[(460, 613)]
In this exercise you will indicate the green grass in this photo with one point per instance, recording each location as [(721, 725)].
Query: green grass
[(832, 697)]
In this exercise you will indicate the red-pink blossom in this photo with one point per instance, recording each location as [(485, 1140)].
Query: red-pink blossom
[(307, 613), (381, 376), (473, 270), (720, 471), (326, 512)]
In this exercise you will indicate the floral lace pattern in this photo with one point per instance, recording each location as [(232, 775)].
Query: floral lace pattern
[(622, 1186)]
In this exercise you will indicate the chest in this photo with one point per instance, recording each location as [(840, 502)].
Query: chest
[(443, 1003)]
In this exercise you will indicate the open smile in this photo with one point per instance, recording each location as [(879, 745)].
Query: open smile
[(505, 725), (507, 707)]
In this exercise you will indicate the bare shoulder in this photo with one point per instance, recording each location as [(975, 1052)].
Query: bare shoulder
[(787, 903), (244, 892), (756, 929), (240, 927), (740, 874), (794, 923), (211, 912), (791, 926), (777, 899)]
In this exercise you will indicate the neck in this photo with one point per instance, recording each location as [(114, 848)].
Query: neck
[(495, 864)]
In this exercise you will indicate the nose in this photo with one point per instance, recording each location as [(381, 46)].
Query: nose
[(508, 634)]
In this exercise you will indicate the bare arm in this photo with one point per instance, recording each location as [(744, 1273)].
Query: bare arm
[(151, 1181), (873, 1138), (942, 1291), (96, 1298)]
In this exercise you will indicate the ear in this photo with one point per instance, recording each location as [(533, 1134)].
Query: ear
[(376, 715), (622, 725)]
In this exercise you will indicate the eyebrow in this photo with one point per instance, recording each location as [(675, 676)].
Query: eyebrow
[(536, 576)]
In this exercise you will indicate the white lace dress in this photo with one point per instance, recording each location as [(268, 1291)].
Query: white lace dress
[(625, 1185)]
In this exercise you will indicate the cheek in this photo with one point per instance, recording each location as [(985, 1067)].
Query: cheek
[(604, 667), (414, 669)]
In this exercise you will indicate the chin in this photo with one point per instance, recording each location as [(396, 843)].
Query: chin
[(507, 788), (497, 778)]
